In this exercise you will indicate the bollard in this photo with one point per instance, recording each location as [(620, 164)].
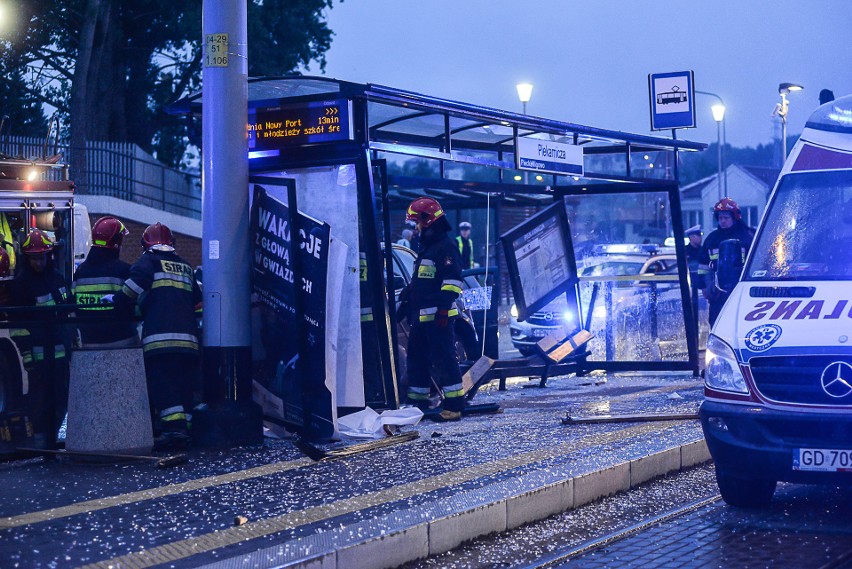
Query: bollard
[(108, 409)]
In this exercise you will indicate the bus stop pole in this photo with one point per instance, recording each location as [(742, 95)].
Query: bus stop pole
[(231, 418)]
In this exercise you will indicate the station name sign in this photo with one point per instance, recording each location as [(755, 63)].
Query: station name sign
[(299, 123), (539, 155)]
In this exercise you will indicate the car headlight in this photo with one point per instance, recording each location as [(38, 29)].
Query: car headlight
[(722, 371), (568, 316), (514, 311)]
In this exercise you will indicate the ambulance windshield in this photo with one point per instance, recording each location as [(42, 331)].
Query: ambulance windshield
[(807, 233)]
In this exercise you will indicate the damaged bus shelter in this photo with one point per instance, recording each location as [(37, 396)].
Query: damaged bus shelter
[(357, 154)]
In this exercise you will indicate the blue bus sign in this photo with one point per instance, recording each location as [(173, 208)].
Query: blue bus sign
[(672, 100)]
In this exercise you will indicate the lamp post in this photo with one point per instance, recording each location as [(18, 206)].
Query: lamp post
[(781, 110), (524, 94), (718, 111)]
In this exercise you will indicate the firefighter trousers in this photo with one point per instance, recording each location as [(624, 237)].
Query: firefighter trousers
[(431, 348), (171, 378)]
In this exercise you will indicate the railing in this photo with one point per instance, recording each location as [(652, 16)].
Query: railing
[(121, 170)]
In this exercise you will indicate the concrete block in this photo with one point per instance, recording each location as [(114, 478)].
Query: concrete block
[(694, 453), (108, 403), (539, 504), (450, 532), (324, 561), (594, 485), (387, 551), (654, 465)]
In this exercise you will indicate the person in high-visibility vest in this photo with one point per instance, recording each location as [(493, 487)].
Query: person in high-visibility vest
[(101, 274), (165, 287), (44, 343), (430, 298), (465, 244)]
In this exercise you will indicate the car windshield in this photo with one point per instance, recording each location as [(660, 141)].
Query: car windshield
[(613, 269), (807, 233)]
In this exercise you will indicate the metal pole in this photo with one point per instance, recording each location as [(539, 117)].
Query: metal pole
[(719, 156), (234, 419), (724, 150)]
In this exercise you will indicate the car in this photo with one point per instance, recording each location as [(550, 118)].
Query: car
[(596, 268)]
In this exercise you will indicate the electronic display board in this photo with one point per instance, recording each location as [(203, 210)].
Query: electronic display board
[(540, 258), (272, 127)]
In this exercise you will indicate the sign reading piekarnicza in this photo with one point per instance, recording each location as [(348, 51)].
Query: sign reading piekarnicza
[(545, 156)]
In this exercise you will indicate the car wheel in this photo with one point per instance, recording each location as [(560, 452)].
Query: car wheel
[(745, 492)]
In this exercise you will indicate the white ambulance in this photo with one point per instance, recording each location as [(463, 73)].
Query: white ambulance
[(778, 379)]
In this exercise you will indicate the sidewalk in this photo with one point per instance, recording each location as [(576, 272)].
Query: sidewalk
[(381, 508)]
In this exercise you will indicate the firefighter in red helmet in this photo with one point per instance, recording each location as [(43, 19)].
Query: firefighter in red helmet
[(730, 226), (429, 306), (164, 286), (99, 277), (44, 345)]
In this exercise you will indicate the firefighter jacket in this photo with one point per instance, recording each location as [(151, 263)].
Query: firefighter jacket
[(466, 251), (710, 249), (436, 282), (102, 273), (39, 332), (164, 286)]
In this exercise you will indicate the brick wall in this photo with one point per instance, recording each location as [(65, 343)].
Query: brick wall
[(187, 247)]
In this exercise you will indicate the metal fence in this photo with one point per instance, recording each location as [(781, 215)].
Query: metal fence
[(121, 170)]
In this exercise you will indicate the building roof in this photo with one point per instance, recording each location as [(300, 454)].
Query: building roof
[(766, 175)]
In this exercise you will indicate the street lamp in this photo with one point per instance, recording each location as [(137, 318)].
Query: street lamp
[(524, 93), (781, 110), (718, 111)]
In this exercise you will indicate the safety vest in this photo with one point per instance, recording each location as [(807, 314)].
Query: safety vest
[(467, 260), (7, 240)]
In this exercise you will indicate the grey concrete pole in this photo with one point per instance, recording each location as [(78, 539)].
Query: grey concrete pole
[(225, 219)]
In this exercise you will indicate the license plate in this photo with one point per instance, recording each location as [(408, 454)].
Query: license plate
[(822, 459), (539, 333)]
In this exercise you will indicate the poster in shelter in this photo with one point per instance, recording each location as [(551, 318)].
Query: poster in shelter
[(289, 359)]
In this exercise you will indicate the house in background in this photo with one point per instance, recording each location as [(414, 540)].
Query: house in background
[(749, 186)]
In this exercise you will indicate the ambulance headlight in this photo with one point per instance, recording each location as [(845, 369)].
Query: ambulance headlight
[(722, 371)]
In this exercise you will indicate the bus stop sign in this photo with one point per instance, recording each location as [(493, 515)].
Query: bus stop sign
[(672, 100)]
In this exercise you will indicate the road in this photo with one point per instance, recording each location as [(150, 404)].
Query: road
[(677, 521)]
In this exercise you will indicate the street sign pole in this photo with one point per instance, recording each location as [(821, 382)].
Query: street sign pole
[(232, 417)]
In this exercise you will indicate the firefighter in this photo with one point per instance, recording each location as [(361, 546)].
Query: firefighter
[(44, 345), (430, 298), (730, 226), (100, 275), (168, 294), (465, 245)]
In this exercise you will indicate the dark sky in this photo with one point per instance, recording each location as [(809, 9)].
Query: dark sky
[(589, 59)]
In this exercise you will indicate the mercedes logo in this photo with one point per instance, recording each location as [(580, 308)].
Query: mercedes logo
[(833, 381)]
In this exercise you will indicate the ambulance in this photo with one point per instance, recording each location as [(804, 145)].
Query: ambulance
[(778, 377)]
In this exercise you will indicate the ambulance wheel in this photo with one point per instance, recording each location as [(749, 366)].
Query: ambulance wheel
[(745, 492)]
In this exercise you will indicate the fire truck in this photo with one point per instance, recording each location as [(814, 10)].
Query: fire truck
[(36, 194)]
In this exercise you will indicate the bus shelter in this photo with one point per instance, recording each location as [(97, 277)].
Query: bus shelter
[(357, 154)]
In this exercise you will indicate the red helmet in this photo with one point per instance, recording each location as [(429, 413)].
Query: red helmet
[(5, 264), (157, 234), (108, 232), (36, 243), (729, 205), (424, 212)]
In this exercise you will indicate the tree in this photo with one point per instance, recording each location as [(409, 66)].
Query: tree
[(111, 66)]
